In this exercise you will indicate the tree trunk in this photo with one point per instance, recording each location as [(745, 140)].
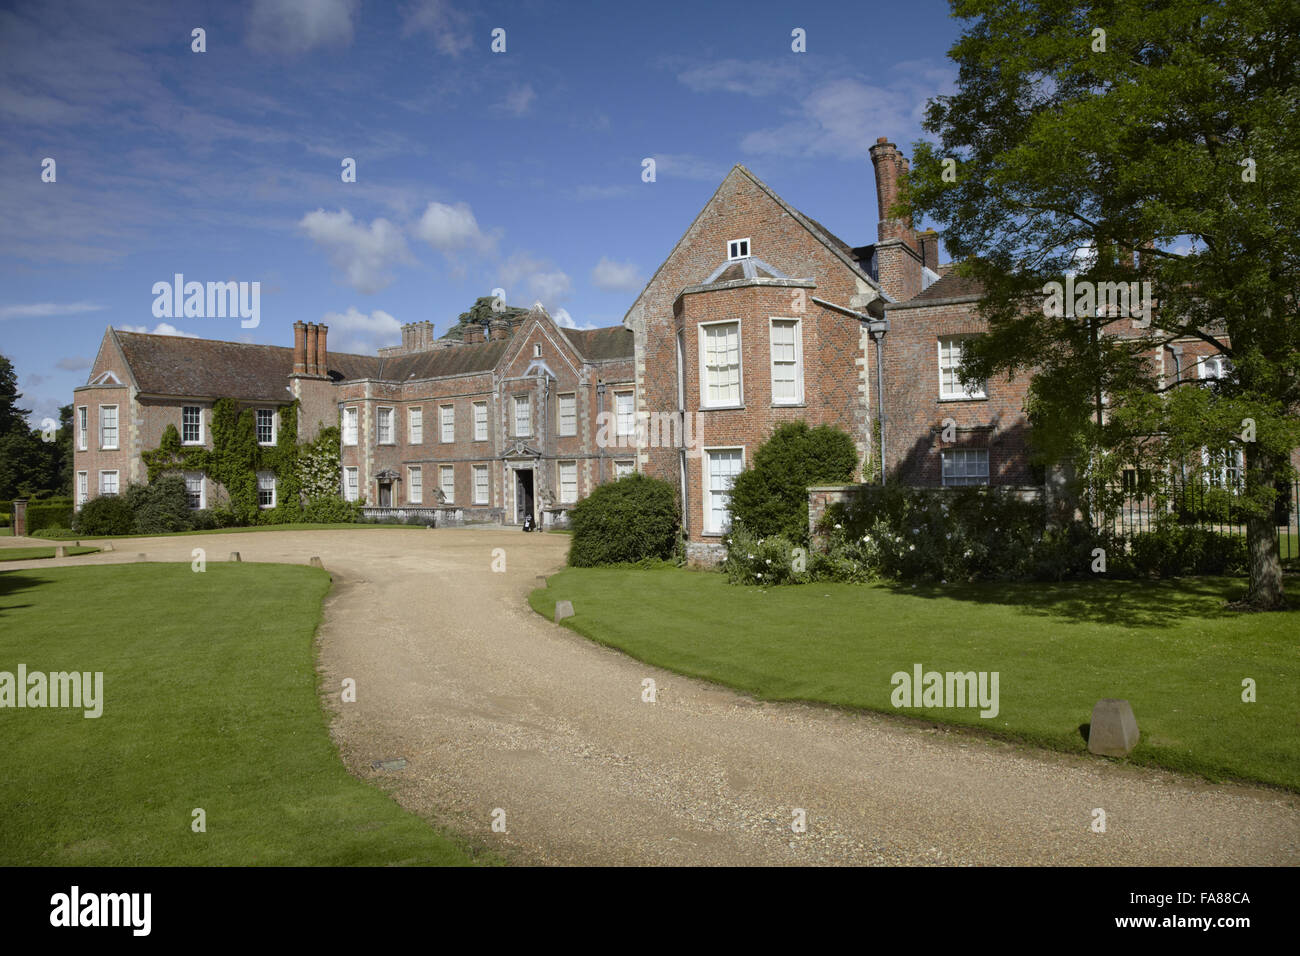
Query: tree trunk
[(1261, 538)]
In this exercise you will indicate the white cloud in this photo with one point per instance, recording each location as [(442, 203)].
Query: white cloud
[(451, 228), (565, 321), (74, 363), (616, 276), (519, 99), (539, 276), (296, 26), (754, 77), (365, 254), (688, 166), (41, 310), (162, 328), (359, 332), (448, 26)]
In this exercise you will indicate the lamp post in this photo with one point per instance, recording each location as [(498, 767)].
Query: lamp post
[(877, 328)]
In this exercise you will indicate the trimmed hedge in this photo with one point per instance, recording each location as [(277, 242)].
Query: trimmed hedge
[(107, 514), (632, 519), (48, 516)]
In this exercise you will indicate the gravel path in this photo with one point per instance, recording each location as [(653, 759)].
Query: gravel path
[(493, 707)]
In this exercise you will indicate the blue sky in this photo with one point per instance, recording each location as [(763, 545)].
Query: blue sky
[(475, 169)]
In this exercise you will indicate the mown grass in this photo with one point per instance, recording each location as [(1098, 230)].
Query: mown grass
[(31, 554), (210, 701), (1170, 648)]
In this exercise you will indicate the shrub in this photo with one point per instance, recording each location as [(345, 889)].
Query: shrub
[(754, 560), (107, 514), (770, 497), (331, 509), (49, 515), (1171, 550), (161, 507), (632, 519)]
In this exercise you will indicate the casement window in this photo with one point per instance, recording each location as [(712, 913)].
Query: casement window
[(1224, 467), (266, 426), (194, 490), (108, 482), (415, 425), (568, 414), (523, 416), (481, 487), (625, 415), (447, 481), (83, 416), (108, 427), (265, 489), (351, 484), (720, 365), (568, 482), (950, 385), (787, 362), (415, 485), (480, 421), (191, 425), (350, 425), (1214, 367), (723, 464), (623, 468), (738, 249), (83, 488), (384, 426), (448, 413), (965, 466)]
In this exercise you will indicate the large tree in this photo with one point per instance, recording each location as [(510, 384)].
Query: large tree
[(1166, 127), (28, 462)]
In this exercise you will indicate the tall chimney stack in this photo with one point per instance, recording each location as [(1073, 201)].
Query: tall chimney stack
[(299, 349), (311, 348), (891, 172), (322, 355), (930, 249)]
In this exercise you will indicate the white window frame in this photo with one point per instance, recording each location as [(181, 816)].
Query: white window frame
[(414, 485), (274, 489), (199, 409), (117, 487), (566, 423), (1213, 367), (483, 489), (275, 426), (351, 483), (528, 408), (117, 426), (734, 249), (379, 425), (351, 429), (481, 421), (950, 480), (960, 394), (415, 425), (624, 467), (83, 487), (203, 489), (449, 497), (704, 368), (625, 425), (537, 350), (1224, 467), (566, 473), (707, 485), (83, 427), (798, 398), (447, 424)]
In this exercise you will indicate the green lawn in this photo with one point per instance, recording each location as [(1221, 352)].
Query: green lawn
[(30, 554), (1169, 648), (210, 700)]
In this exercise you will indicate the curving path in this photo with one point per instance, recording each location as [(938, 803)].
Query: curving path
[(493, 707)]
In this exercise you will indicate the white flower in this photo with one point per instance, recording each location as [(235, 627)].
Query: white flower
[(838, 526), (944, 581), (911, 547), (916, 531), (751, 557), (769, 560), (948, 535), (757, 574)]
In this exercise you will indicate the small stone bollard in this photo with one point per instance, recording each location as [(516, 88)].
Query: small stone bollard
[(316, 562), (1114, 729), (142, 556), (563, 609), (106, 546), (60, 551), (234, 556), (541, 581)]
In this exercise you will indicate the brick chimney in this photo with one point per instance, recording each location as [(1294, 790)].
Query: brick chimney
[(930, 249), (299, 349), (311, 348), (322, 354), (891, 172), (473, 334)]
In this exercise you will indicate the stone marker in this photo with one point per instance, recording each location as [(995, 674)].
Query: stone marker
[(397, 763), (563, 609), (541, 581), (106, 546), (60, 551), (1114, 730), (142, 556), (234, 555), (316, 561)]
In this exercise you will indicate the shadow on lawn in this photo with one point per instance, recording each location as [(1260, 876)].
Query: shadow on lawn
[(13, 581), (1135, 604)]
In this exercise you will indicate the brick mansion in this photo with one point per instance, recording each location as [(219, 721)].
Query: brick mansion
[(757, 316)]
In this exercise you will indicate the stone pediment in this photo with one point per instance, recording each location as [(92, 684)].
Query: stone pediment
[(522, 449)]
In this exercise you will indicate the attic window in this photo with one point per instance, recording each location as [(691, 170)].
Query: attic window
[(537, 350), (738, 249)]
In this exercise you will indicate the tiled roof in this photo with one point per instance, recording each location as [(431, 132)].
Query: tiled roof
[(950, 287), (456, 360), (598, 345)]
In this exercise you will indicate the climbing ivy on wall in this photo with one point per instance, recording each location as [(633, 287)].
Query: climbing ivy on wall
[(235, 459)]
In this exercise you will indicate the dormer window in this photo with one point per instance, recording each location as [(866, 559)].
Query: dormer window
[(738, 249)]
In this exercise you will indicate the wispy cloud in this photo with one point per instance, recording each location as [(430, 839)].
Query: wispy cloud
[(543, 281), (688, 166), (74, 363), (44, 310), (162, 328), (448, 26), (296, 26), (519, 99), (364, 254), (361, 332), (616, 276), (453, 228)]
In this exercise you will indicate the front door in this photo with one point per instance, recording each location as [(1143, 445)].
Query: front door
[(385, 494), (523, 494)]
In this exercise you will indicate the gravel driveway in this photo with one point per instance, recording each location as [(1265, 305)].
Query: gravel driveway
[(493, 707)]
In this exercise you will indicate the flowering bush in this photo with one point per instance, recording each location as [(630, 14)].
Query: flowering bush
[(754, 560)]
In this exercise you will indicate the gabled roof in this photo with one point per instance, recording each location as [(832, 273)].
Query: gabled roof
[(455, 360), (601, 345)]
